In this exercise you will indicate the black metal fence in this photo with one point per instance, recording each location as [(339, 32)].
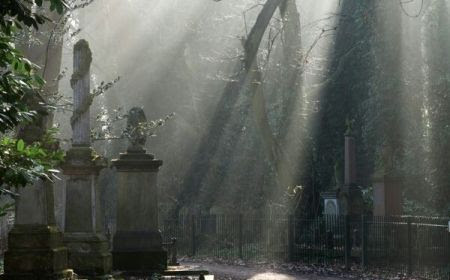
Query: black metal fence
[(419, 245)]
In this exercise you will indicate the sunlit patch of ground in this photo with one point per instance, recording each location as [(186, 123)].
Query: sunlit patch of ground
[(238, 272), (272, 275)]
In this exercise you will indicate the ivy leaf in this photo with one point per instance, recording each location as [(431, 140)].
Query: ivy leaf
[(20, 145)]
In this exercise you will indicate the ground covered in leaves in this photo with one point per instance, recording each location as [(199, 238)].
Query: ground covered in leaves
[(237, 270)]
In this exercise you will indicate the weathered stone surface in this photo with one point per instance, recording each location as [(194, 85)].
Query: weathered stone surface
[(140, 262), (79, 216), (82, 160), (34, 236), (35, 244), (82, 196), (35, 204), (89, 254), (137, 244), (80, 82), (137, 162), (137, 135), (136, 201), (36, 252), (82, 165), (88, 248), (387, 195), (144, 240)]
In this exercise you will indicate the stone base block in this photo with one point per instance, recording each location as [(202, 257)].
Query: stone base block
[(89, 255), (140, 262), (137, 241), (36, 252), (139, 251), (39, 261), (62, 275), (92, 265)]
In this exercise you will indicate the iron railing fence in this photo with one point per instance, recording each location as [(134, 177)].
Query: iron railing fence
[(419, 245)]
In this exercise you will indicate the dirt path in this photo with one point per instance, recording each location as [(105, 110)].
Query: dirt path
[(232, 272)]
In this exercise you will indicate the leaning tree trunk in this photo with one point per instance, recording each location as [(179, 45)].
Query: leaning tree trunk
[(244, 78), (282, 161)]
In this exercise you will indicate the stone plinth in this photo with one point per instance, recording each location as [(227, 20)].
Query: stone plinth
[(351, 201), (35, 245), (137, 244), (36, 252), (387, 195), (88, 247)]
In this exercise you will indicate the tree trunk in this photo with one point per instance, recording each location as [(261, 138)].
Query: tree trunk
[(283, 163), (244, 80)]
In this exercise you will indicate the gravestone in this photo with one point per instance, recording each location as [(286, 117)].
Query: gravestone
[(35, 244), (387, 195), (330, 203), (387, 186), (137, 244), (89, 253)]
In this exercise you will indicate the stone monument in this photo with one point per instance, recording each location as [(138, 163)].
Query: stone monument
[(330, 203), (35, 244), (387, 188), (89, 253), (387, 196), (137, 244), (331, 198), (350, 195)]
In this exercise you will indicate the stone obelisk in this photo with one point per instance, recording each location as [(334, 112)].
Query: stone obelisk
[(351, 202), (137, 244), (35, 244), (350, 161), (89, 253)]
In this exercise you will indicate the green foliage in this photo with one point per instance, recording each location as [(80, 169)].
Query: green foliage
[(16, 79), (21, 164), (415, 208), (4, 209), (438, 107), (19, 12), (17, 74)]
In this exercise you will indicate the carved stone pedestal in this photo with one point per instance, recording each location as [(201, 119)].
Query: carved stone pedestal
[(88, 248), (36, 252), (89, 253), (134, 254), (35, 244), (137, 244)]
